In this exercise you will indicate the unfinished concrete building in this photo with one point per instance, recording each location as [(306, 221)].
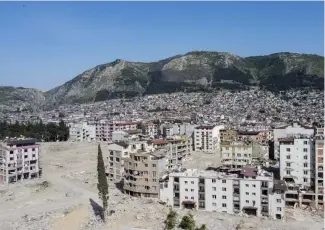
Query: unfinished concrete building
[(319, 173), (19, 160), (236, 154), (142, 173)]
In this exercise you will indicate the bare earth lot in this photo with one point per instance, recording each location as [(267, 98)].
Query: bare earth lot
[(60, 200)]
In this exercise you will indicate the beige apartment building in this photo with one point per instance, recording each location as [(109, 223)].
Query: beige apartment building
[(319, 173), (236, 154), (117, 152), (142, 173)]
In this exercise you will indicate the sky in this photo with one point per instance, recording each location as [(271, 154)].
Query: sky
[(45, 44)]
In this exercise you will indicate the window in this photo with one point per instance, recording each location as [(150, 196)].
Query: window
[(238, 155), (288, 172), (213, 180), (305, 157), (146, 165), (192, 182), (186, 197), (11, 152), (154, 174), (247, 185), (33, 149), (224, 189), (305, 165), (117, 159), (254, 194), (245, 155), (224, 205), (279, 209), (214, 188), (185, 182), (288, 157), (305, 142), (192, 190), (214, 197), (288, 149), (111, 153), (25, 150), (146, 179), (11, 158), (33, 155), (305, 150), (224, 197), (192, 198), (254, 185), (288, 164), (223, 181), (186, 190), (305, 180), (154, 165), (305, 172), (278, 200), (247, 201), (247, 193), (214, 204)]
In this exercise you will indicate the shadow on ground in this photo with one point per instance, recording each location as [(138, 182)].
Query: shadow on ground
[(98, 210)]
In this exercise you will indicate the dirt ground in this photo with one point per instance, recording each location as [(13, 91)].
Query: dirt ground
[(63, 199)]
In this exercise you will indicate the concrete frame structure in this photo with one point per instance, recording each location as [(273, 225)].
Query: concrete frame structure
[(236, 154), (82, 132), (19, 160), (246, 190), (104, 128), (319, 170), (289, 131), (207, 138)]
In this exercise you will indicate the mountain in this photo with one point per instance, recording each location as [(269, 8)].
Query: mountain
[(190, 72), (13, 98)]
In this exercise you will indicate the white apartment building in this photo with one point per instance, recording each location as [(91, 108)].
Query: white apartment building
[(207, 138), (289, 131), (19, 160), (319, 170), (104, 128), (236, 154), (150, 129), (248, 190), (297, 160), (82, 132)]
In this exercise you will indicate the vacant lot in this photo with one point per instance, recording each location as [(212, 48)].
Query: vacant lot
[(62, 199)]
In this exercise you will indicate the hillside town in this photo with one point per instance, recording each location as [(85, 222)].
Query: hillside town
[(247, 154)]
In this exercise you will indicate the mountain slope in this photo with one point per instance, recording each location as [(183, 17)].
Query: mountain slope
[(190, 72)]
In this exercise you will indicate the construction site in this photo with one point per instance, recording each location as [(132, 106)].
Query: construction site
[(65, 196)]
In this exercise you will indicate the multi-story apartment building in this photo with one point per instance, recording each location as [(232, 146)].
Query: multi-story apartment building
[(319, 167), (116, 153), (168, 131), (320, 130), (289, 131), (82, 132), (297, 160), (236, 154), (207, 138), (297, 169), (228, 135), (19, 160), (105, 128), (247, 190), (150, 129), (142, 173)]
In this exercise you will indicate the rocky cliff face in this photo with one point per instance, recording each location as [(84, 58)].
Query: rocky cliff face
[(190, 72)]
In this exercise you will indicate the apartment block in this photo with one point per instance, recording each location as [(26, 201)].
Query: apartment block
[(289, 131), (105, 128), (116, 153), (248, 191), (297, 169), (82, 132), (236, 154), (19, 160), (142, 174), (150, 129), (207, 138), (319, 173), (228, 135)]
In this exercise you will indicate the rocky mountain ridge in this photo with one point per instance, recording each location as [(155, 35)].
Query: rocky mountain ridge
[(193, 71)]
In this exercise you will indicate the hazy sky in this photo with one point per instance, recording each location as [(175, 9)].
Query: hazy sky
[(44, 44)]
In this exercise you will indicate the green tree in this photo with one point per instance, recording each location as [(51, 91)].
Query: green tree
[(102, 182), (187, 222), (171, 220)]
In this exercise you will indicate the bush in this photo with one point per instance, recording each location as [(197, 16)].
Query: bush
[(187, 222), (171, 220)]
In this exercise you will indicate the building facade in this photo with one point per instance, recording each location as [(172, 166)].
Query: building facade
[(248, 190), (19, 160), (104, 128), (82, 132), (236, 154), (207, 138)]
